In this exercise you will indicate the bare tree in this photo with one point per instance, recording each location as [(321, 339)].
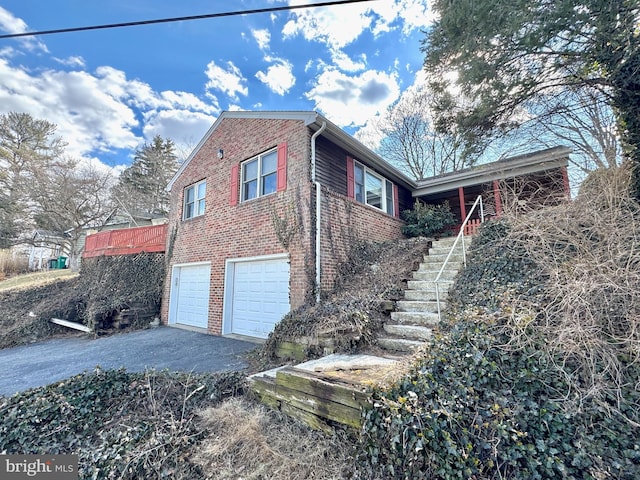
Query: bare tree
[(579, 118), (412, 142), (71, 196)]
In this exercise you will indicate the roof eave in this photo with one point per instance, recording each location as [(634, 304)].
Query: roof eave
[(360, 151), (522, 165)]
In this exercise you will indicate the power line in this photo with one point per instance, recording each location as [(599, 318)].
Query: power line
[(182, 19)]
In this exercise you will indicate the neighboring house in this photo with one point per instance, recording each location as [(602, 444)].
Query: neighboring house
[(266, 208), (45, 246)]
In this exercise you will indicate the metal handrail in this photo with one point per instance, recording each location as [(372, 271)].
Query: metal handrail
[(464, 255)]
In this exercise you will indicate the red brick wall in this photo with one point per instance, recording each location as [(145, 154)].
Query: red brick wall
[(246, 229), (345, 222)]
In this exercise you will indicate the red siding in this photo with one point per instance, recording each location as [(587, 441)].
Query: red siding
[(126, 241)]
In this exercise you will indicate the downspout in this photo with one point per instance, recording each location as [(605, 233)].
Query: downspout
[(318, 200)]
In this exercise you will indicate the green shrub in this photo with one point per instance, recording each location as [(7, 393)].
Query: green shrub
[(427, 220)]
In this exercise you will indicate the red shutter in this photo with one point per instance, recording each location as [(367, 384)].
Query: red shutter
[(233, 199), (350, 178), (396, 201), (281, 175)]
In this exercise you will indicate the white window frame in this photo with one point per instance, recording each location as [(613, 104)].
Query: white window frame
[(260, 176), (387, 202), (198, 203)]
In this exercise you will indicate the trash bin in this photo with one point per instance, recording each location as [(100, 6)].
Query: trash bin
[(62, 262), (53, 263)]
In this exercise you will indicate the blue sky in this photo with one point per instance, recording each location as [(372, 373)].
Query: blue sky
[(109, 91)]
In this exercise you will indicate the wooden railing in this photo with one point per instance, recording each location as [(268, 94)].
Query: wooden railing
[(126, 241)]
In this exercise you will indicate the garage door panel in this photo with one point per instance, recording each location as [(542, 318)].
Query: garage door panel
[(191, 295), (260, 296)]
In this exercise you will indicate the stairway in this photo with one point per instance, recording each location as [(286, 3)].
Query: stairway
[(416, 316)]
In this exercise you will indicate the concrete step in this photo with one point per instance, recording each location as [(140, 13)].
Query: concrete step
[(399, 344), (436, 266), (417, 306), (425, 295), (409, 332), (423, 319), (447, 241), (429, 285), (430, 275), (439, 258), (445, 250)]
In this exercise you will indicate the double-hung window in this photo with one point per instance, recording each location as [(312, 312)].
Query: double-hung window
[(259, 176), (372, 189), (194, 200)]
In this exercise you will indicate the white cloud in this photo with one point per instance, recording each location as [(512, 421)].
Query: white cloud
[(74, 61), (279, 77), (94, 164), (262, 37), (12, 24), (184, 127), (339, 26), (229, 81), (95, 112), (336, 27), (352, 100), (347, 64)]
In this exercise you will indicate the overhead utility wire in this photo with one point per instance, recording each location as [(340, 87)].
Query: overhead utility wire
[(183, 19)]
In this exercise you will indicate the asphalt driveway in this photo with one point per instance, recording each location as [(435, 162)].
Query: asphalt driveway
[(159, 348)]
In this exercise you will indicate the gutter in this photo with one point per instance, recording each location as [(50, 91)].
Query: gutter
[(318, 209)]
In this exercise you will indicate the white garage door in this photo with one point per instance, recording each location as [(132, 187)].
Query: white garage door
[(190, 295), (260, 296)]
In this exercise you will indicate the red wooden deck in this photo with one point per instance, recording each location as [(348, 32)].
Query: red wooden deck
[(126, 241)]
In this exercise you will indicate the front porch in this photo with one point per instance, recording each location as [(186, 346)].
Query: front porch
[(522, 182)]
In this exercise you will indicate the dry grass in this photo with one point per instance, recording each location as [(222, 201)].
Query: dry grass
[(590, 251), (11, 265), (249, 442), (31, 280)]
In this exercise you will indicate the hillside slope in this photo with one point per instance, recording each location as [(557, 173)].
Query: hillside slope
[(535, 373)]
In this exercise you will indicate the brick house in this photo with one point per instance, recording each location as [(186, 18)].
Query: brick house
[(245, 223), (263, 212)]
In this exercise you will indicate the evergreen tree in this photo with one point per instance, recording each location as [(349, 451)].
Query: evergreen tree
[(510, 53), (141, 188), (27, 148)]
